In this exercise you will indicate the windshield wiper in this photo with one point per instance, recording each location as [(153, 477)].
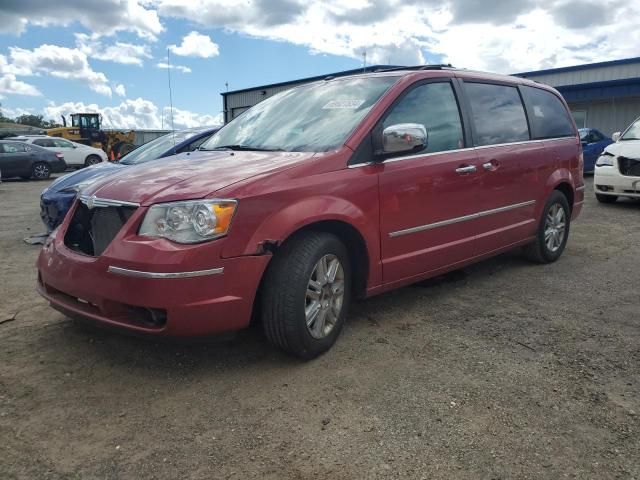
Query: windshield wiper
[(247, 148)]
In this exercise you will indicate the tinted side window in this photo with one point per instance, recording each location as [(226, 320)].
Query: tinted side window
[(45, 142), (498, 114), (13, 148), (433, 105), (549, 117), (61, 143)]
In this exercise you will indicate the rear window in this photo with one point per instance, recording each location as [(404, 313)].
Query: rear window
[(498, 114), (549, 118)]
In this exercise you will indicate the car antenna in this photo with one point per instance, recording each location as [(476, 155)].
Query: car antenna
[(173, 130)]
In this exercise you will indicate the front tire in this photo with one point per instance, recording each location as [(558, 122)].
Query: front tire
[(41, 171), (553, 231), (606, 198), (306, 294), (92, 160)]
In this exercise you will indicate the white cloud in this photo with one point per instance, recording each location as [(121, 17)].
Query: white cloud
[(119, 52), (105, 17), (502, 35), (10, 86), (180, 68), (16, 112), (136, 113), (196, 45), (187, 119), (120, 90), (60, 62)]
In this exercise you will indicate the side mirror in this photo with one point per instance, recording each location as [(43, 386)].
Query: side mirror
[(616, 136), (404, 137), (74, 146)]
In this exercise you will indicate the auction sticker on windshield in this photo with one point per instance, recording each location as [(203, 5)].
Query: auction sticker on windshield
[(349, 104)]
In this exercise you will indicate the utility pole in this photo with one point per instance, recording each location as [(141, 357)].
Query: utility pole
[(364, 60)]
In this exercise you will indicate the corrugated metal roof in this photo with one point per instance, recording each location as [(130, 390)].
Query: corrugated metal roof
[(585, 66)]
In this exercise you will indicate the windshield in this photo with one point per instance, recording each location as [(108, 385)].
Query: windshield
[(633, 132), (584, 133), (157, 147), (312, 118)]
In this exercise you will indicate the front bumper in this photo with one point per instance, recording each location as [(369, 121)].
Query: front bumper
[(218, 300), (615, 183)]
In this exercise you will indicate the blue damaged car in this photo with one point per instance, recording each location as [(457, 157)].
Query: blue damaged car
[(57, 198)]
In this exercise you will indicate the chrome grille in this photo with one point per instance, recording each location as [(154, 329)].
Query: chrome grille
[(629, 167)]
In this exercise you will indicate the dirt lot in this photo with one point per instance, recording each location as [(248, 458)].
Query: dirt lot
[(505, 370)]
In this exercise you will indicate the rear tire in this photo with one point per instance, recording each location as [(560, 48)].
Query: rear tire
[(41, 171), (306, 294), (606, 198), (553, 231), (92, 160)]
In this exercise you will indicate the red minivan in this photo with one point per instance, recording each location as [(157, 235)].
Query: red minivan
[(346, 187)]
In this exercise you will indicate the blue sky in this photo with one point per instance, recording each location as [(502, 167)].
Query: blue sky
[(60, 57)]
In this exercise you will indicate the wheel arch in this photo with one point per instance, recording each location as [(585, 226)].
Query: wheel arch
[(351, 237), (563, 181), (567, 190)]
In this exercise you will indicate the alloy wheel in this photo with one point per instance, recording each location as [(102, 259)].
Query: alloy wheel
[(555, 227), (325, 296), (41, 171)]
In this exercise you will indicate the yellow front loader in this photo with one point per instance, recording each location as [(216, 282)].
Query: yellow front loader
[(86, 128)]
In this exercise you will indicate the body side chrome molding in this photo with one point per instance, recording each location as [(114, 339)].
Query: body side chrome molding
[(581, 188), (139, 274), (93, 201), (465, 218), (422, 155)]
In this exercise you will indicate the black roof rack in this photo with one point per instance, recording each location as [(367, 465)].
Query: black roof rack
[(439, 66)]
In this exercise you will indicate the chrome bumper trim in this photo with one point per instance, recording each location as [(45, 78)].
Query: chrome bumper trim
[(581, 188), (466, 218), (138, 274), (93, 202)]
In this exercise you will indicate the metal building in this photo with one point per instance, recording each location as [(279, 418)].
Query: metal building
[(237, 101), (603, 95)]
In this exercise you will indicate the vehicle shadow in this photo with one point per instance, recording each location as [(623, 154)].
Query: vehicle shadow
[(249, 346)]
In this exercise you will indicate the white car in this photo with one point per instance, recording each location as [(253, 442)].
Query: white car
[(75, 154), (617, 172)]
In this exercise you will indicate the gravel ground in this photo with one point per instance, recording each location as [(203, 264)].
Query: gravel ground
[(503, 370)]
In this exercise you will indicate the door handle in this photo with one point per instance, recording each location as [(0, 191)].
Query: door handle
[(467, 169)]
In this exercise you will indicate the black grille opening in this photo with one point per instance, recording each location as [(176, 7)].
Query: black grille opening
[(629, 166), (91, 230)]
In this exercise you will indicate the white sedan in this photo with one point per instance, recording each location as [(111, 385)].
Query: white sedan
[(617, 172), (75, 154)]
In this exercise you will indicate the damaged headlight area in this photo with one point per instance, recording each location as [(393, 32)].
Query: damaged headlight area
[(605, 160), (193, 221)]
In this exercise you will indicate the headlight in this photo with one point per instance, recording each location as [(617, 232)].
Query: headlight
[(192, 221), (606, 159)]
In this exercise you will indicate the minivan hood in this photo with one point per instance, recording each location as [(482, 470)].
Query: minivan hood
[(625, 148), (183, 177)]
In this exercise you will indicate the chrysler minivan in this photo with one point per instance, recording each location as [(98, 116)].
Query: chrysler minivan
[(348, 187)]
